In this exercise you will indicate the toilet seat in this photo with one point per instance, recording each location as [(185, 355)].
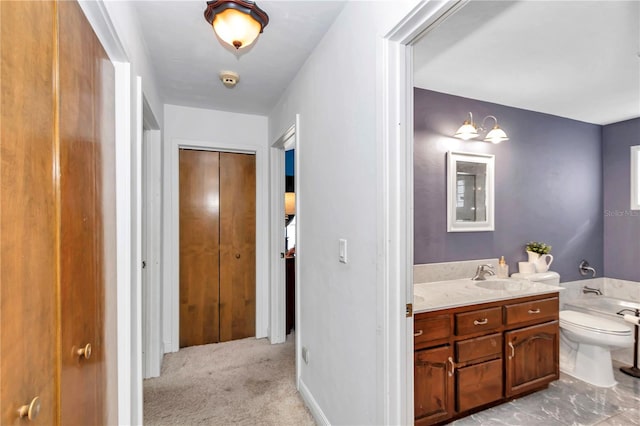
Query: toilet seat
[(591, 323)]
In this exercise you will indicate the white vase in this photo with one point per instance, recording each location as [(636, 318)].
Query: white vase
[(533, 256), (543, 262)]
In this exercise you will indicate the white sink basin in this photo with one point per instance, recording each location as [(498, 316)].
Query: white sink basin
[(503, 284)]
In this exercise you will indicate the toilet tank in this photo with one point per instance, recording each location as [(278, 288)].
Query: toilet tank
[(550, 277)]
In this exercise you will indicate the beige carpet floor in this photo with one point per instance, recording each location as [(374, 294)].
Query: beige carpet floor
[(243, 382)]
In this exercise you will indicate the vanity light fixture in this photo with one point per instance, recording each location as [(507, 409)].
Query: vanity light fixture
[(469, 130), (237, 22)]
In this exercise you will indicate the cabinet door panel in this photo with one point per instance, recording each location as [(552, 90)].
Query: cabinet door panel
[(478, 385), (433, 385), (532, 357)]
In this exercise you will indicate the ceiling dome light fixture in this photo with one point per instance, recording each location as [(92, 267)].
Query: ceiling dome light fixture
[(469, 130), (237, 22)]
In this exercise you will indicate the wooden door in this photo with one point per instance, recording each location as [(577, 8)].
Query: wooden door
[(532, 357), (28, 217), (217, 247), (237, 246), (87, 168), (433, 385), (199, 247)]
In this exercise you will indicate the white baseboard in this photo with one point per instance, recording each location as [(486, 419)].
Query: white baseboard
[(315, 409)]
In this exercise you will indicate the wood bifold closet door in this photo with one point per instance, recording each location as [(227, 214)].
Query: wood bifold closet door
[(57, 213), (217, 246)]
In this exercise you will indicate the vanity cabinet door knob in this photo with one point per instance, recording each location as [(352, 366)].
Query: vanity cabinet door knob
[(418, 333), (31, 410), (85, 352), (534, 311), (452, 365), (513, 350), (481, 322)]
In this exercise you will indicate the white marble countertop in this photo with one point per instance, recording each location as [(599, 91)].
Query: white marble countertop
[(454, 293)]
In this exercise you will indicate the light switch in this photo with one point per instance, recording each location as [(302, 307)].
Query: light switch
[(342, 255)]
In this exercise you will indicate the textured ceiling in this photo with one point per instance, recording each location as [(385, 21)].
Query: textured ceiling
[(574, 59), (187, 56)]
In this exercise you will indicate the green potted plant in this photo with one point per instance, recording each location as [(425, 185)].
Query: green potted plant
[(537, 247)]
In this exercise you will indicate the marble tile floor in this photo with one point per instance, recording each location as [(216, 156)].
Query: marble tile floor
[(568, 401)]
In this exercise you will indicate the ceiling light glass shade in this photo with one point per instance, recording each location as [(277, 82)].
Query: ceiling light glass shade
[(237, 22), (466, 131), (496, 135)]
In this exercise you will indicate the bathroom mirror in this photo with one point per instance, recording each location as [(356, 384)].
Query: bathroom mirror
[(635, 177), (470, 190)]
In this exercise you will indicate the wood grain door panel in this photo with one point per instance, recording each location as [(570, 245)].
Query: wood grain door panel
[(199, 247), (433, 385), (237, 246), (86, 78), (532, 357), (28, 215)]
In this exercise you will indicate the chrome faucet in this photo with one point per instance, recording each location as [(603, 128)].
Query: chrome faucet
[(586, 290), (482, 271), (584, 269)]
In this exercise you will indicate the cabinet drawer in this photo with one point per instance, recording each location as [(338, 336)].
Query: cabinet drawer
[(480, 320), (479, 349), (478, 385), (545, 309), (432, 328)]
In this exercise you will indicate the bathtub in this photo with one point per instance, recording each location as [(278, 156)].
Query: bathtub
[(601, 305), (606, 307)]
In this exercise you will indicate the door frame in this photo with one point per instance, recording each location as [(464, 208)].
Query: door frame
[(395, 208), (172, 284), (277, 332), (151, 250)]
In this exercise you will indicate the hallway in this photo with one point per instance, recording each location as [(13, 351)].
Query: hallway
[(242, 382)]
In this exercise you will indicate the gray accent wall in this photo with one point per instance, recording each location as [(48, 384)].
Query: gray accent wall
[(548, 185), (621, 225)]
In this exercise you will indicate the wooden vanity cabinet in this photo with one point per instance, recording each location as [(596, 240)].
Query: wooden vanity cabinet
[(475, 356)]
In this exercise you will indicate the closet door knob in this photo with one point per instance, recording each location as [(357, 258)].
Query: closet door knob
[(85, 352), (31, 410)]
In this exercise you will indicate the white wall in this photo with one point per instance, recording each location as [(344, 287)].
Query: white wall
[(335, 94), (224, 131)]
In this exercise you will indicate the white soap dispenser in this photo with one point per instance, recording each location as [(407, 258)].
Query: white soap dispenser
[(503, 268)]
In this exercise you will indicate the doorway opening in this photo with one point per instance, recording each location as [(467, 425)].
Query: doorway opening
[(396, 208), (285, 239)]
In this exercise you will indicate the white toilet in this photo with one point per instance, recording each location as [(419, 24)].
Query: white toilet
[(586, 340)]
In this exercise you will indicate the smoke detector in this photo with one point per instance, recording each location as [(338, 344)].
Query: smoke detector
[(229, 78)]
